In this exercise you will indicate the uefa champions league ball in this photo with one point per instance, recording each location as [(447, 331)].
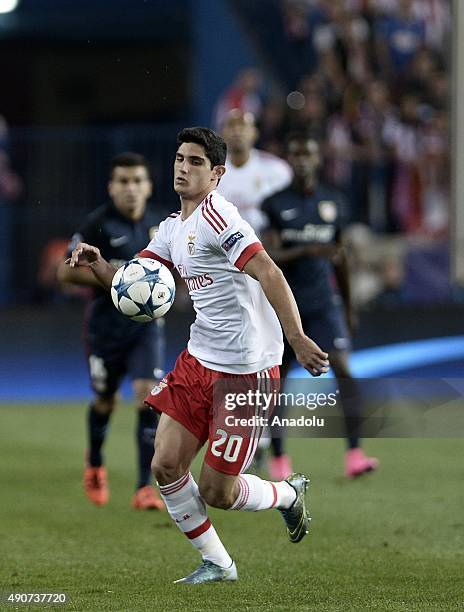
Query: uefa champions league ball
[(143, 289)]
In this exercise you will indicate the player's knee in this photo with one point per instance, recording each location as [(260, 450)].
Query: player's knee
[(165, 468), (217, 498), (104, 405)]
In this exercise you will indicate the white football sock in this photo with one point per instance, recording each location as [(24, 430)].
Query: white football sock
[(257, 494), (188, 510)]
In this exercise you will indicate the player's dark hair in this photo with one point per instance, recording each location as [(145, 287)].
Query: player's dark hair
[(129, 160), (214, 145)]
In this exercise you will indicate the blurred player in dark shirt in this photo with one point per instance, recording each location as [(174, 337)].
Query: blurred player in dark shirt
[(304, 237), (115, 344)]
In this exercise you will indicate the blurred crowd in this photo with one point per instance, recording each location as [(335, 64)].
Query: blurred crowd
[(370, 80)]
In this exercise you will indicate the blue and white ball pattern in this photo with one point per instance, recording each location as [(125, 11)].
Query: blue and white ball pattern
[(143, 289)]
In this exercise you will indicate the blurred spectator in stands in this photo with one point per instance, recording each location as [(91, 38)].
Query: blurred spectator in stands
[(399, 36), (300, 20), (365, 280), (242, 94), (377, 265), (376, 113), (344, 37), (436, 15), (428, 81), (439, 91), (335, 80), (404, 137), (435, 176), (423, 67), (272, 127), (392, 279), (312, 117), (339, 151)]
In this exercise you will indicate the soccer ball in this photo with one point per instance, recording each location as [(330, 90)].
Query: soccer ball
[(143, 289)]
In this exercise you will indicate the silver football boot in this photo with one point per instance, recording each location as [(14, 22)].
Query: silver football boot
[(296, 517), (210, 572)]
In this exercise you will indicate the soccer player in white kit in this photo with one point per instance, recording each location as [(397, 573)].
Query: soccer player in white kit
[(238, 293), (252, 175)]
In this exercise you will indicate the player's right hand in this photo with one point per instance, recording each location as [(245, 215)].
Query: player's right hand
[(310, 356), (83, 255)]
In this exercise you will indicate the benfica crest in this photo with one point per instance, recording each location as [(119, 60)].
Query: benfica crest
[(191, 244)]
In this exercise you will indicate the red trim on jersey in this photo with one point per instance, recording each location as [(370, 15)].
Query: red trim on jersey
[(247, 254), (198, 530), (218, 231), (215, 213), (274, 490), (212, 216), (151, 255), (208, 219)]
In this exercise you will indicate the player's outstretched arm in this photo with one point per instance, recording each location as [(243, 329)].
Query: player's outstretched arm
[(88, 258), (309, 355)]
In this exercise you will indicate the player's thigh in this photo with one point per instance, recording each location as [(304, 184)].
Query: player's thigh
[(143, 364), (175, 449), (234, 432), (145, 359), (106, 370)]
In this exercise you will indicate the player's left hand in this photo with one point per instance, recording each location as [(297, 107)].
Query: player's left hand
[(310, 356), (83, 255)]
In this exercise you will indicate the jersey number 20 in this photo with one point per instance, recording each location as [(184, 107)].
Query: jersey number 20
[(231, 448)]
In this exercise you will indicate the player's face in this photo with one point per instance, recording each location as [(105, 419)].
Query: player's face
[(304, 158), (129, 188), (240, 134), (193, 174)]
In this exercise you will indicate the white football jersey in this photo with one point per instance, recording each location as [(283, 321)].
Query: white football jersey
[(247, 186), (236, 330)]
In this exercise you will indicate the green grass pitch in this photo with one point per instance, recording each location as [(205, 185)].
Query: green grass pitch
[(393, 540)]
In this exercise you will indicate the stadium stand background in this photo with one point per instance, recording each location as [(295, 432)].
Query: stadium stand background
[(82, 83)]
